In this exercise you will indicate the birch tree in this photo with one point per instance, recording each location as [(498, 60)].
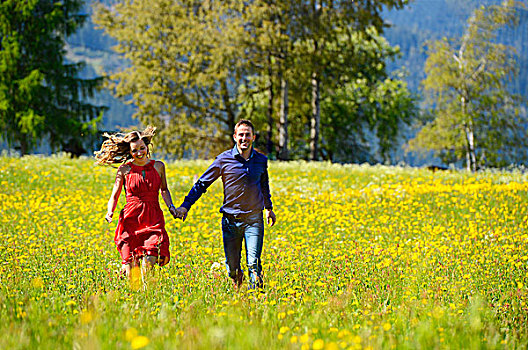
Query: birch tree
[(475, 116)]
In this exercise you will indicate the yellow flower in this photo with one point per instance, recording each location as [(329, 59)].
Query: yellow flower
[(139, 342), (332, 346), (294, 339), (37, 282), (318, 344), (86, 317), (130, 334)]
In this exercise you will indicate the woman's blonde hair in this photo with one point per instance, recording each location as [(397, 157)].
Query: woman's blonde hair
[(116, 149)]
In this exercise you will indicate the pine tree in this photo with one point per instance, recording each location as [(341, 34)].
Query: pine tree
[(41, 95)]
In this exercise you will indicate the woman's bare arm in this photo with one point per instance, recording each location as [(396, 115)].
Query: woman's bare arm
[(165, 193), (116, 192)]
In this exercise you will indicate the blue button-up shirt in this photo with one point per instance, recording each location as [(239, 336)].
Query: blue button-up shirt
[(246, 184)]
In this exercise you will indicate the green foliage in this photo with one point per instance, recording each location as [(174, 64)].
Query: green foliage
[(185, 68), (424, 21), (197, 67), (476, 117), (362, 114), (330, 44), (40, 94)]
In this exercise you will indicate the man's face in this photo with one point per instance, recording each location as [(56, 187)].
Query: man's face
[(244, 137)]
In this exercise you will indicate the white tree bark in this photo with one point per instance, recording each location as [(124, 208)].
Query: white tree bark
[(283, 121), (315, 119)]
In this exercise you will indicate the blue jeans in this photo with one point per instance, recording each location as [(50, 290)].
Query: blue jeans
[(250, 229)]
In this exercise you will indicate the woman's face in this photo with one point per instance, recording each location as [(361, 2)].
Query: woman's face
[(138, 151)]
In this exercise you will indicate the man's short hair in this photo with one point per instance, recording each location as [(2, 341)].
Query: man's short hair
[(245, 122)]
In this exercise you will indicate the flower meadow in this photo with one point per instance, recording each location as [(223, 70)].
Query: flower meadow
[(361, 257)]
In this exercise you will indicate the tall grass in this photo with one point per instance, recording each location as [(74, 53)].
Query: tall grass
[(361, 257)]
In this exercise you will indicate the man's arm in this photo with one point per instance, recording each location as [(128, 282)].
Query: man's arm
[(268, 205), (200, 187)]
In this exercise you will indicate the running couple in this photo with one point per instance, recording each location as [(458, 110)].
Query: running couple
[(140, 233)]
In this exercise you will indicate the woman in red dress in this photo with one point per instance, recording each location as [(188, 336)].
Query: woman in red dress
[(140, 233)]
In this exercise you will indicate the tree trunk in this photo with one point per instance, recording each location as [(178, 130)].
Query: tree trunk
[(283, 121), (316, 113), (471, 157), (271, 96), (315, 119), (229, 110), (24, 146)]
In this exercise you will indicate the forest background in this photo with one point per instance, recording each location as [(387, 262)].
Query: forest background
[(410, 29)]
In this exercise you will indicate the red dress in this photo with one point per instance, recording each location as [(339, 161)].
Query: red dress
[(141, 227)]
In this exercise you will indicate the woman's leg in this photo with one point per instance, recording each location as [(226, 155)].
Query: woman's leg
[(149, 261), (127, 267)]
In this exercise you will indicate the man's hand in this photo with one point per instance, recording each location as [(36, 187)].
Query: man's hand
[(270, 217), (181, 213)]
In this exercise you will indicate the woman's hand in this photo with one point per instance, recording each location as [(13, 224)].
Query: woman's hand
[(172, 210), (108, 217), (181, 213)]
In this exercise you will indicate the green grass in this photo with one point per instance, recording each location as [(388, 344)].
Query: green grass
[(361, 257)]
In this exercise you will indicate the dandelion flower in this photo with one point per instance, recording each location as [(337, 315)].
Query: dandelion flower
[(139, 342)]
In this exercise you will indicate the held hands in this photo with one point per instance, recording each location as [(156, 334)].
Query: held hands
[(181, 213), (172, 210), (270, 217), (178, 213)]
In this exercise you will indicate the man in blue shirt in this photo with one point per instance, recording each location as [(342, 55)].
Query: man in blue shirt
[(244, 173)]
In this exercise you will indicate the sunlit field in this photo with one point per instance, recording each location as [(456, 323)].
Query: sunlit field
[(361, 257)]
